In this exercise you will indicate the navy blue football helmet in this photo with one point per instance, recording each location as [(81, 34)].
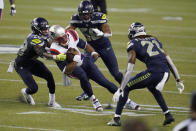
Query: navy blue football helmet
[(85, 10), (38, 25), (136, 29)]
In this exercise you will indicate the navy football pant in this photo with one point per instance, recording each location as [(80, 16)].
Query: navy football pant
[(109, 59), (88, 70), (36, 68), (142, 80)]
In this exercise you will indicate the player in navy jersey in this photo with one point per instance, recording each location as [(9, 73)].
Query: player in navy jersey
[(81, 67), (95, 28), (26, 63), (149, 50)]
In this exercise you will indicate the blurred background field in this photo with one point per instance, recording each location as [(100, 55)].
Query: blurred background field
[(173, 22)]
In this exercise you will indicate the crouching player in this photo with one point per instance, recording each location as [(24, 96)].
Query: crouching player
[(26, 63), (149, 50)]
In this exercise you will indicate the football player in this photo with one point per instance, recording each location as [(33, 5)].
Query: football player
[(95, 28), (12, 8), (148, 50), (81, 66), (26, 63)]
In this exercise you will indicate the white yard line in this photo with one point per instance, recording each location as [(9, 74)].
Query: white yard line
[(105, 69), (77, 85), (28, 128)]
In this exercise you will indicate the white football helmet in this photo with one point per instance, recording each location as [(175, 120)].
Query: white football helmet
[(58, 34)]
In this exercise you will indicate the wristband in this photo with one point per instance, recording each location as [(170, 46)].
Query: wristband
[(107, 35), (92, 53)]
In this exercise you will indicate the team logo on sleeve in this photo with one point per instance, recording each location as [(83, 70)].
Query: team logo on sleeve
[(104, 16), (36, 41), (129, 44)]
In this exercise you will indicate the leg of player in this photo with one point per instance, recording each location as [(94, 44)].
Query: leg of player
[(40, 70), (32, 87), (160, 100), (95, 74), (109, 59), (86, 86)]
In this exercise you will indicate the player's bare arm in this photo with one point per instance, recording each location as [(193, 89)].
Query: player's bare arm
[(70, 68), (90, 50), (41, 52), (105, 31), (106, 28), (70, 27)]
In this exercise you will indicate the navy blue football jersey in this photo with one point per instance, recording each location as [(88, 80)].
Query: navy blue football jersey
[(86, 28), (149, 50), (27, 52)]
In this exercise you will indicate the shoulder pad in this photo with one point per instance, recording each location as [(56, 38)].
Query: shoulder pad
[(75, 19), (75, 16), (73, 33)]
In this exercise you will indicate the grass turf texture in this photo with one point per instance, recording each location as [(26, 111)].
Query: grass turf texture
[(178, 38)]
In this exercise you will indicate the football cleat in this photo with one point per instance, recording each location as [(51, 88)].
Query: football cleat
[(54, 104), (114, 122), (168, 119), (83, 96), (132, 105), (97, 105), (28, 98)]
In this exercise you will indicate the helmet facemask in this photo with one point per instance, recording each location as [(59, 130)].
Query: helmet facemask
[(40, 26), (85, 11), (136, 29), (57, 33)]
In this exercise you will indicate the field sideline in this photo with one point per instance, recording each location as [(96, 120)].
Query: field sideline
[(173, 22)]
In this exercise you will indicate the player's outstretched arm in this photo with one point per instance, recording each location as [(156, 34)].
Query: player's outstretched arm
[(42, 53), (105, 31), (127, 76), (173, 69)]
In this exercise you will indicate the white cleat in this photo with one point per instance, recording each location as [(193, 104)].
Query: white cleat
[(54, 104), (132, 106), (97, 105), (28, 98)]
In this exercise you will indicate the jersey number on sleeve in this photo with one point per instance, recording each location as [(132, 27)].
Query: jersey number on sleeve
[(150, 47)]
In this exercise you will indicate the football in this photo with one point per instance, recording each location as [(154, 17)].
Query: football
[(71, 52)]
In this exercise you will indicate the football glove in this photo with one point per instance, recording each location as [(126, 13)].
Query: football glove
[(61, 57), (12, 10), (180, 86), (117, 95), (97, 32)]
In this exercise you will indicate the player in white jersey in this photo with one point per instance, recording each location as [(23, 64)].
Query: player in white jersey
[(84, 68)]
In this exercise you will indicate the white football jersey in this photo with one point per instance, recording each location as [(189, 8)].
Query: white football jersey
[(73, 40)]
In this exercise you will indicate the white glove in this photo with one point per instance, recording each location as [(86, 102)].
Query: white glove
[(180, 86), (117, 94), (98, 32)]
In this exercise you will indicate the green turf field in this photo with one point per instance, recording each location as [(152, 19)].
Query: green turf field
[(178, 35)]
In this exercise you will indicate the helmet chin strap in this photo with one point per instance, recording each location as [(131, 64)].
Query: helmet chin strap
[(140, 33)]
